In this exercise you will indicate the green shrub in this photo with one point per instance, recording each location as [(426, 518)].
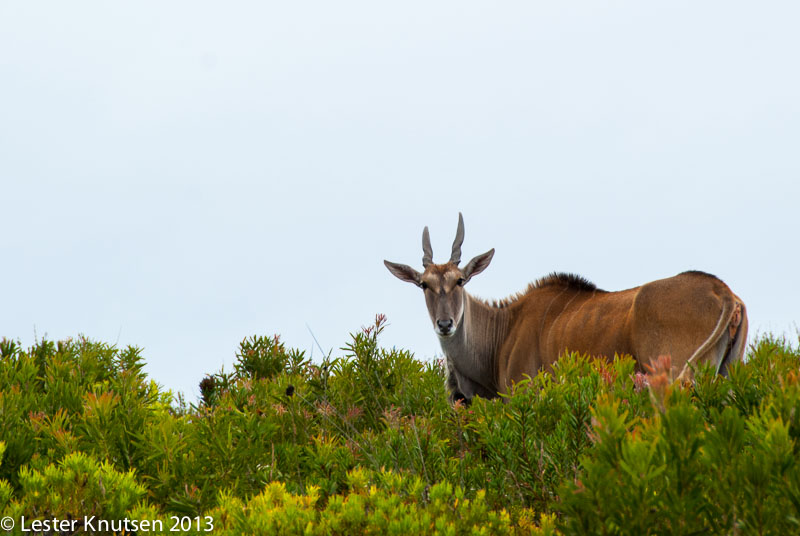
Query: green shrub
[(367, 442), (383, 503), (75, 487), (695, 467)]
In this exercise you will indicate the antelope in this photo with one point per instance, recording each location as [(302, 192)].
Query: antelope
[(692, 317)]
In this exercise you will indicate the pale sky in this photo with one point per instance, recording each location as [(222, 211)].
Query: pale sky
[(180, 175)]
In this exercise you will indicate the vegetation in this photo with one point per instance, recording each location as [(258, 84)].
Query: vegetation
[(367, 443)]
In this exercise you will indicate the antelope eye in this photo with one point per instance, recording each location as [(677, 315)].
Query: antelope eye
[(423, 285), (460, 282)]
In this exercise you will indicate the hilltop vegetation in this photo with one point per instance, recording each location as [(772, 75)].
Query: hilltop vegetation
[(367, 443)]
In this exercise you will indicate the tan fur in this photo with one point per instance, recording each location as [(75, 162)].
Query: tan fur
[(689, 317), (692, 317)]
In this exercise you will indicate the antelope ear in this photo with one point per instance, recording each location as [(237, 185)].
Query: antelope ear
[(478, 264), (404, 272)]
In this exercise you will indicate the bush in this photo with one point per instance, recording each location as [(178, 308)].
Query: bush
[(382, 503), (697, 467), (75, 487), (367, 442)]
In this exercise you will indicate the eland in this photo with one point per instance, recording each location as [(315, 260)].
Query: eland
[(692, 317)]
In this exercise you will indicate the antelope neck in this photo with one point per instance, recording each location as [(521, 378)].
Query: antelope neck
[(476, 342)]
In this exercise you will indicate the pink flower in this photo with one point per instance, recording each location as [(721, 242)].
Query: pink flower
[(392, 416), (324, 409), (659, 376), (354, 413), (639, 382)]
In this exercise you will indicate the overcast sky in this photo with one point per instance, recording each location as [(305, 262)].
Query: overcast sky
[(180, 175)]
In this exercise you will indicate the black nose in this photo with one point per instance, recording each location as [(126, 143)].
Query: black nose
[(445, 325)]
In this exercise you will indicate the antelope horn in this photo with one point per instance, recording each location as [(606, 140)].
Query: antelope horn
[(455, 258), (427, 251)]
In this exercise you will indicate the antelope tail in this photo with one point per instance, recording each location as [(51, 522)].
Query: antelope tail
[(731, 317), (738, 333)]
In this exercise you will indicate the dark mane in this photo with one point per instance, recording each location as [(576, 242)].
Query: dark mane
[(566, 280), (554, 279), (699, 272)]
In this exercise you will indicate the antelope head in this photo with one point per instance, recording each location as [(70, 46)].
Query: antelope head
[(443, 284)]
